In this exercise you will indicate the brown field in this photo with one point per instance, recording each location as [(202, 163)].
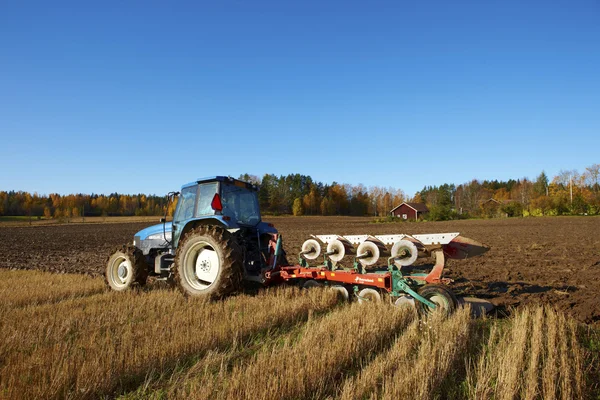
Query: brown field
[(65, 336)]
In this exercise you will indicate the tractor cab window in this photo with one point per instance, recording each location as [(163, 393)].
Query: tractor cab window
[(240, 204), (207, 192), (185, 204)]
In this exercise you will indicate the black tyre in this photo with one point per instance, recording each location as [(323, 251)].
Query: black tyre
[(208, 263), (311, 283), (441, 296), (126, 268)]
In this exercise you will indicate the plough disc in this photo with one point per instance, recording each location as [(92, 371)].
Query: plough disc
[(405, 249)]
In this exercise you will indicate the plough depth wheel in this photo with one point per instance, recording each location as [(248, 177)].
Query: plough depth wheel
[(441, 296), (311, 283), (369, 295), (405, 301), (341, 291)]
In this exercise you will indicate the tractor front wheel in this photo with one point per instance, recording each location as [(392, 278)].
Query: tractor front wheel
[(441, 296), (208, 263), (126, 268)]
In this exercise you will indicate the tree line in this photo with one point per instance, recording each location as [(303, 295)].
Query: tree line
[(569, 192), (291, 194), (300, 195), (21, 203)]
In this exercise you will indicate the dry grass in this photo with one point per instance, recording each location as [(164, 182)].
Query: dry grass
[(417, 364), (62, 336), (312, 366), (108, 343), (20, 288), (536, 356)]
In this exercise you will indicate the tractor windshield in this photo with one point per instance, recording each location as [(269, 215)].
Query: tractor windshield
[(185, 204), (240, 204)]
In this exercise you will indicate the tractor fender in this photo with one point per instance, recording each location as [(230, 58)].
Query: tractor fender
[(198, 222), (264, 227)]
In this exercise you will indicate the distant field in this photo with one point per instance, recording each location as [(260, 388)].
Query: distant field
[(34, 221), (64, 336)]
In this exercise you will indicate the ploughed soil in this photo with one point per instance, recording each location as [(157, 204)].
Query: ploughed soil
[(552, 260)]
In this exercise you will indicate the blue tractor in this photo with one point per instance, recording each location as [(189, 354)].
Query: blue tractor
[(215, 241)]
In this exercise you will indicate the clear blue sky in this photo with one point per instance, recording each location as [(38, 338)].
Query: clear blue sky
[(144, 96)]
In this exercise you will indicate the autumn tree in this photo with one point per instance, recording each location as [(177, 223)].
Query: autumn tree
[(338, 200), (312, 201), (359, 201), (540, 187), (592, 177), (253, 179), (297, 209), (375, 196), (3, 200), (325, 206)]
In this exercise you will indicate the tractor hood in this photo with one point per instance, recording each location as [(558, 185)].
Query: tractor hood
[(153, 237), (156, 232)]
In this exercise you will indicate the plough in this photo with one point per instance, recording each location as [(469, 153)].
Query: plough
[(350, 265)]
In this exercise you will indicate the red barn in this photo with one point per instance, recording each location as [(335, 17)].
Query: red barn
[(410, 211)]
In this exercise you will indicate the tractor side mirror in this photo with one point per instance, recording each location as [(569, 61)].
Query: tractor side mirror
[(163, 220)]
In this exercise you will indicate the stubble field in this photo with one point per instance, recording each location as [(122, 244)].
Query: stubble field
[(63, 335)]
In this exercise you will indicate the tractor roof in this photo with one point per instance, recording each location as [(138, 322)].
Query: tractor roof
[(220, 179)]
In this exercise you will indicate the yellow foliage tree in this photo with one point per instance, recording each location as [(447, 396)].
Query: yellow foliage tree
[(297, 207)]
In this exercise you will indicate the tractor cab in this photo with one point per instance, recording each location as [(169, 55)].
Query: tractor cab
[(222, 201)]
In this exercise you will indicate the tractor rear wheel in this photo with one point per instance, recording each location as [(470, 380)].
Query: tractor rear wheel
[(441, 296), (126, 268), (208, 262)]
